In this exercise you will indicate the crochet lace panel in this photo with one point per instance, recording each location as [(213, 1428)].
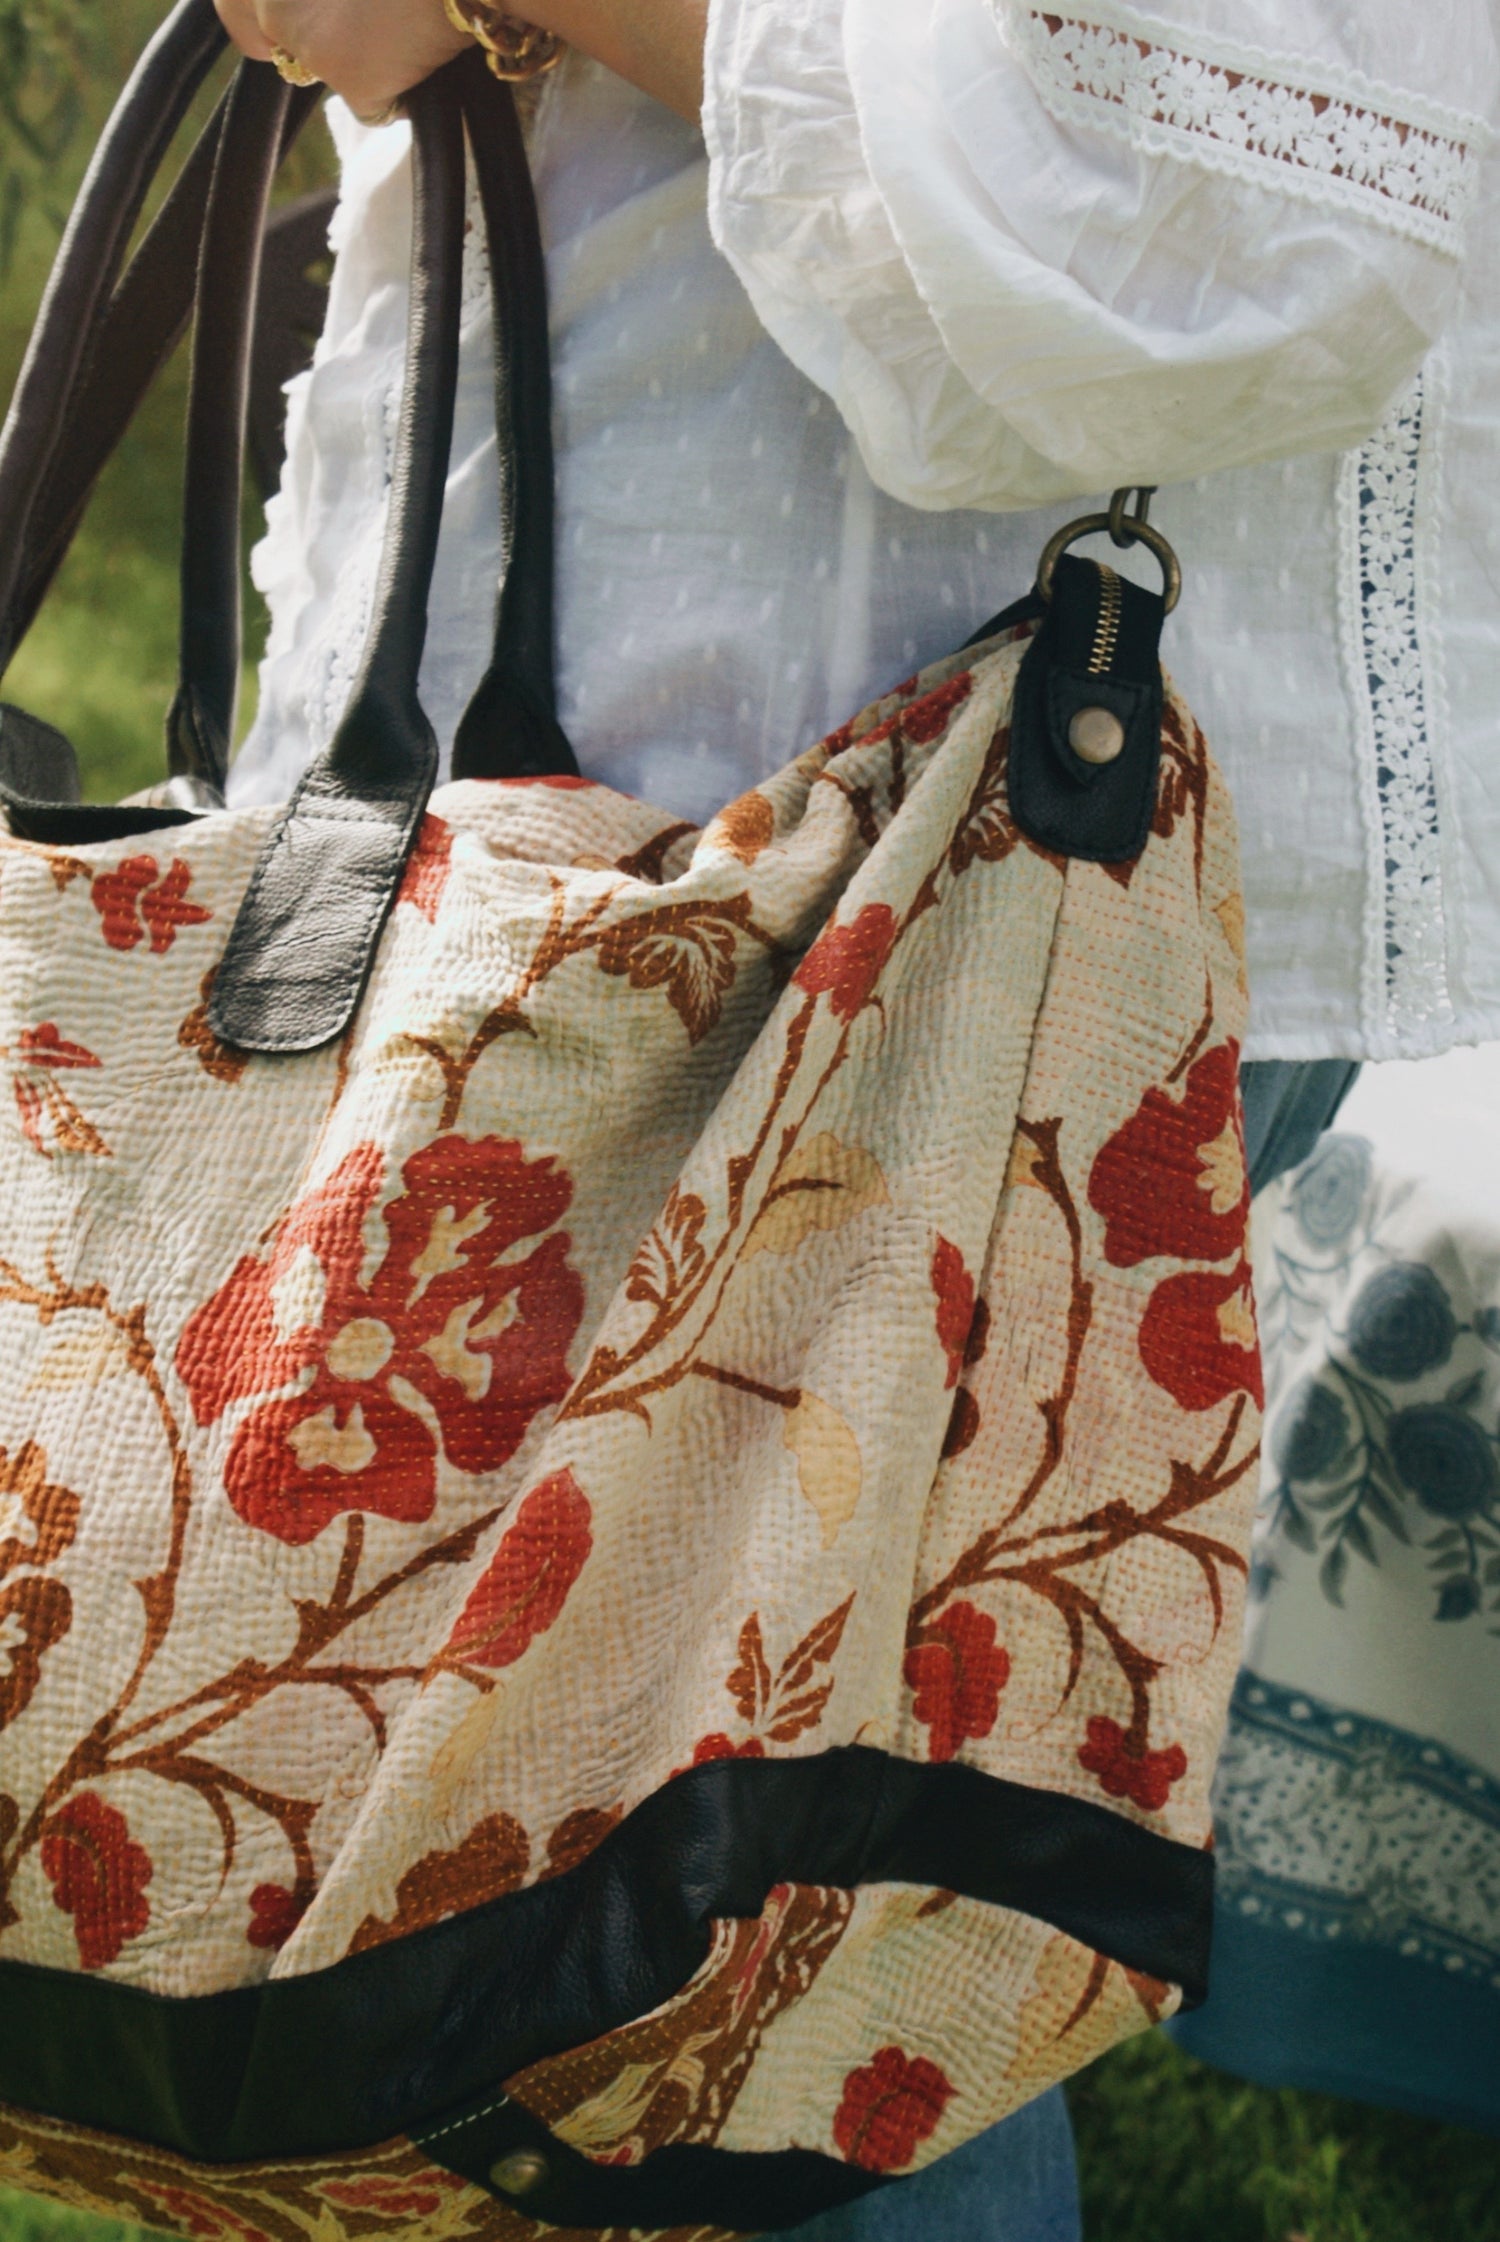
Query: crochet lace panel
[(1400, 162), (1395, 691)]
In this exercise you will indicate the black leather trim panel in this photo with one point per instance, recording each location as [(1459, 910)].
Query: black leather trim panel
[(685, 2184), (393, 2040)]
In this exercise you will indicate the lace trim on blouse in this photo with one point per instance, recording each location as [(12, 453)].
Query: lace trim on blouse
[(1395, 693), (1402, 163)]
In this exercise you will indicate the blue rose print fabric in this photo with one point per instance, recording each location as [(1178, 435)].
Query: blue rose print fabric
[(1357, 1940)]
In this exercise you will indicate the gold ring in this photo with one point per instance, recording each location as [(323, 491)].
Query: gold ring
[(1125, 529), (295, 73), (385, 115)]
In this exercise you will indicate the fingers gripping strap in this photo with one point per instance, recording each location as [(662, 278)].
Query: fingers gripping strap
[(303, 945)]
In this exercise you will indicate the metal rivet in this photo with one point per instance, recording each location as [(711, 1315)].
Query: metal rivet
[(1096, 735), (520, 2173)]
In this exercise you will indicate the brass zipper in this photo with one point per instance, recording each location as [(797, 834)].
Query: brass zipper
[(1107, 630)]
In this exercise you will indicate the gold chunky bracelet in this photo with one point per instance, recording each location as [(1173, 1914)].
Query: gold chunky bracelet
[(513, 49)]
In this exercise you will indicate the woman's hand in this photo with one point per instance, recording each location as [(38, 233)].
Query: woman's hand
[(373, 51), (370, 51)]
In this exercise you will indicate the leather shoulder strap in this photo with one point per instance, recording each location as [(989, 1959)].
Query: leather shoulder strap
[(200, 725), (304, 942), (137, 333), (510, 729)]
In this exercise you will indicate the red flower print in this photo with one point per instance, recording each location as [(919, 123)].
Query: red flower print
[(1173, 1181), (1199, 1340), (563, 782), (956, 1670), (136, 901), (98, 1875), (391, 2198), (452, 1314), (1127, 1769), (956, 1308), (427, 868), (275, 1912), (846, 961), (45, 1047), (45, 1101), (196, 2216), (544, 1549), (719, 1746), (889, 2109), (925, 719)]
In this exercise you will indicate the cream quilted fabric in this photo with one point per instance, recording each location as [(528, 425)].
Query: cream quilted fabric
[(732, 1292)]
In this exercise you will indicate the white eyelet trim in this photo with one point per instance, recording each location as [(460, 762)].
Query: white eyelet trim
[(1403, 163), (1396, 694)]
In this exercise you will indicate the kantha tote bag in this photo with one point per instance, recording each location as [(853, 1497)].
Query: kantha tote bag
[(625, 1451)]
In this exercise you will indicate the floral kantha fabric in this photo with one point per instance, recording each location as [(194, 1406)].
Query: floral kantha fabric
[(732, 1294), (1358, 1799)]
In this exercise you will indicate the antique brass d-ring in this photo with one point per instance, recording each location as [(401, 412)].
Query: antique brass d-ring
[(1125, 529)]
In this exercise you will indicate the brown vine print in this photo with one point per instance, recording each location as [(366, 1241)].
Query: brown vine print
[(684, 1322), (38, 1524)]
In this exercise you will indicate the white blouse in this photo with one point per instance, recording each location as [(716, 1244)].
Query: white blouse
[(936, 275)]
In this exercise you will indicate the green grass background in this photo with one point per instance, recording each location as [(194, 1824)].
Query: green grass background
[(101, 662), (1169, 2151)]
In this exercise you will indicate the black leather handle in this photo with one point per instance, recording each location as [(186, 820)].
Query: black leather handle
[(200, 725), (136, 335), (128, 156), (304, 942), (510, 729)]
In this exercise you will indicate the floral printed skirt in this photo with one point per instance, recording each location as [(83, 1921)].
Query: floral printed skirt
[(1357, 1927)]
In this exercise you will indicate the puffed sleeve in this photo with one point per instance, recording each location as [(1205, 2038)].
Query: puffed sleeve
[(1031, 255)]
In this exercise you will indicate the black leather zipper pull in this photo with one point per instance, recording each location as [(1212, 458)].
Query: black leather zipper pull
[(1085, 743)]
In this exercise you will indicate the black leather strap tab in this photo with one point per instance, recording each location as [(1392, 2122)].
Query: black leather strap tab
[(304, 943), (1097, 648), (510, 729)]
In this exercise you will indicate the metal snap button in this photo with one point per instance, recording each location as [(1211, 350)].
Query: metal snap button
[(520, 2173), (1096, 735)]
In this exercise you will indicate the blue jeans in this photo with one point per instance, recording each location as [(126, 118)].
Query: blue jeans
[(1288, 1105), (1016, 2183)]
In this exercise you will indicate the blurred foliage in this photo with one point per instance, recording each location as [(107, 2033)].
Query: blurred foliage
[(60, 62), (49, 50), (1170, 2151), (101, 660)]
